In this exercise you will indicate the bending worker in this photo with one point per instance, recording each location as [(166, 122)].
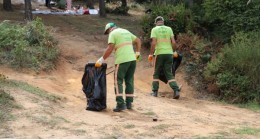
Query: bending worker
[(122, 41), (163, 43)]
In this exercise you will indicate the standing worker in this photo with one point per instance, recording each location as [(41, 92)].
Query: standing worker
[(122, 41), (163, 43)]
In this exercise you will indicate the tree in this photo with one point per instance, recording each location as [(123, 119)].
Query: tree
[(28, 10), (7, 5), (102, 11), (47, 3), (90, 4), (124, 3)]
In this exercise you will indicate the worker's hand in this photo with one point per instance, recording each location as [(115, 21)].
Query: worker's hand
[(99, 62), (175, 54), (150, 58), (138, 56)]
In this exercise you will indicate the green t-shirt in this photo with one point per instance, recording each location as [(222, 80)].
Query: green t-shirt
[(123, 41), (163, 35)]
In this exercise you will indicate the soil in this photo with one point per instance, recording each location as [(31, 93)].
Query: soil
[(185, 118)]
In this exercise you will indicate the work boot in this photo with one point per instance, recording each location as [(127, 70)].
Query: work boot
[(129, 105), (154, 93), (119, 108), (176, 95)]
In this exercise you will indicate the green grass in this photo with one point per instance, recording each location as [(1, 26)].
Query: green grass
[(51, 122), (247, 131), (29, 88), (129, 126), (252, 106), (211, 137), (149, 113), (7, 103), (78, 131), (161, 126)]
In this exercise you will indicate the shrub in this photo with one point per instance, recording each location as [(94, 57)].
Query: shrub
[(7, 103), (236, 69), (28, 46), (225, 17)]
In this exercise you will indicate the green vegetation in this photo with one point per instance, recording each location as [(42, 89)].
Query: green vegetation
[(225, 17), (247, 131), (211, 137), (129, 126), (27, 46), (4, 83), (161, 126), (7, 103), (149, 113), (236, 69), (239, 132), (251, 105), (50, 122)]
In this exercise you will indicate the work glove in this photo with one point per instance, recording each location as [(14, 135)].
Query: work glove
[(175, 54), (150, 58), (138, 56), (99, 62)]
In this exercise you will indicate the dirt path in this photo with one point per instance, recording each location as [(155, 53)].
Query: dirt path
[(184, 118)]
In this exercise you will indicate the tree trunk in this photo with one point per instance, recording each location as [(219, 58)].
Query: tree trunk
[(124, 3), (47, 3), (7, 5), (28, 10), (102, 8)]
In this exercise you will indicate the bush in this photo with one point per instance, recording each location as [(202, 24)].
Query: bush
[(236, 69), (225, 17), (29, 46), (7, 103), (177, 17)]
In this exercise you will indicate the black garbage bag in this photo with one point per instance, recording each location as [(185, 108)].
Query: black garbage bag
[(94, 86), (175, 64)]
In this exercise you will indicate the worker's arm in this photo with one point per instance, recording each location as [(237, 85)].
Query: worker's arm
[(174, 47), (137, 43), (109, 50), (173, 42), (153, 44)]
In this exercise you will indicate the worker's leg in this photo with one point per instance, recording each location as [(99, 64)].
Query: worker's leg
[(129, 82), (168, 73), (158, 65), (119, 77)]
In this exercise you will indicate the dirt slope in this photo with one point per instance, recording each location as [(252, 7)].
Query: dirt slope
[(182, 119)]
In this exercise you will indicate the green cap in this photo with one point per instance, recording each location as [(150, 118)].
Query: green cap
[(108, 26)]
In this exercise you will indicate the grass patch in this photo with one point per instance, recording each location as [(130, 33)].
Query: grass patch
[(247, 131), (161, 126), (50, 122), (149, 113), (79, 123), (252, 106), (110, 137), (29, 88), (211, 137), (7, 103), (129, 126), (78, 131)]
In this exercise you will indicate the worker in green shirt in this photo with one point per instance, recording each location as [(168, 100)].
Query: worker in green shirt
[(163, 46), (122, 41)]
